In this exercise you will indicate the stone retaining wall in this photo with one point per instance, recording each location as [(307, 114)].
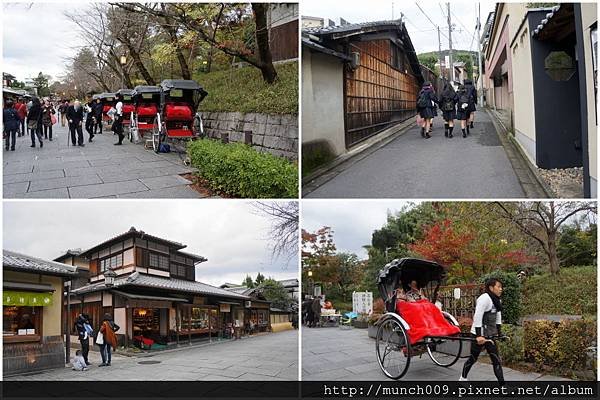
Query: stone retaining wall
[(272, 133)]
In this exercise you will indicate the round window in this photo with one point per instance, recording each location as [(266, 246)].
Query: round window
[(559, 66)]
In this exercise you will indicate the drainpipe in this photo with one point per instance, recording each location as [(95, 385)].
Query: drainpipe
[(579, 49)]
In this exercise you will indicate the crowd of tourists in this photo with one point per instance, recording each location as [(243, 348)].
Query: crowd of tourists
[(104, 337), (35, 118)]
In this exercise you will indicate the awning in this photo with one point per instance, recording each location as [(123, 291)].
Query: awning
[(147, 297), (31, 287), (21, 298)]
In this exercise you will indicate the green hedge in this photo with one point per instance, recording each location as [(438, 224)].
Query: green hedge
[(511, 295), (512, 350), (561, 346), (239, 170), (572, 292)]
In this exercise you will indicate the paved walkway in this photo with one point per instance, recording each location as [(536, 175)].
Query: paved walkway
[(98, 170), (333, 354), (412, 167), (260, 358)]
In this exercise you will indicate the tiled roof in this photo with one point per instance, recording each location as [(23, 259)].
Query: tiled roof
[(546, 20), (289, 282), (21, 262), (180, 285), (133, 231), (349, 28), (243, 290), (200, 258)]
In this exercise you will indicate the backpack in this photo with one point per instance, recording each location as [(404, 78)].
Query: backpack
[(447, 104), (463, 98), (164, 148), (423, 100)]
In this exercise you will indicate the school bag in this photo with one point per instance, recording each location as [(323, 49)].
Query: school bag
[(447, 104), (423, 100), (463, 99)]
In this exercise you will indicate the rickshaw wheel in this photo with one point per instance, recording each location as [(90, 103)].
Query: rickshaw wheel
[(156, 135), (444, 352), (393, 349)]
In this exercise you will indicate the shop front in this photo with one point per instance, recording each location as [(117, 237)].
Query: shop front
[(257, 316), (31, 313)]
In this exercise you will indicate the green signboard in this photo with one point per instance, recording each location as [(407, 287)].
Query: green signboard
[(32, 299)]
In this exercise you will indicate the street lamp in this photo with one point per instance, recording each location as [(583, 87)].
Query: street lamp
[(109, 278), (123, 61)]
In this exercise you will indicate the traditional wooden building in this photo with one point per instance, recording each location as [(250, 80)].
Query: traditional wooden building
[(257, 309), (31, 312), (148, 285), (357, 80)]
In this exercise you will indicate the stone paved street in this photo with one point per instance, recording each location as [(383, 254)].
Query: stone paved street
[(261, 358), (333, 354), (98, 170), (412, 167)]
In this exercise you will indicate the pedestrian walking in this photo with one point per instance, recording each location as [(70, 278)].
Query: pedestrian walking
[(426, 101), (34, 121), (109, 338), (11, 122), (64, 106), (472, 92), (97, 109), (448, 100), (117, 125), (84, 332), (21, 108), (463, 108), (316, 309), (47, 119), (89, 120), (487, 322), (75, 118)]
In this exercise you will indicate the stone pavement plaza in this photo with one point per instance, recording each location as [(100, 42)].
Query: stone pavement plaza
[(266, 357), (334, 354), (98, 170), (412, 167)]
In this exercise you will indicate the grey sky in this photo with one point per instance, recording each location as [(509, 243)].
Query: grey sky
[(227, 232), (422, 32), (37, 37), (353, 221)]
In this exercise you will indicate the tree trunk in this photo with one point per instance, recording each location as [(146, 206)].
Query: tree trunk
[(265, 59), (137, 61), (552, 254), (168, 26), (214, 36)]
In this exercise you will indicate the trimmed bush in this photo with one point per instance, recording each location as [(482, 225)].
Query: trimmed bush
[(239, 170), (511, 295), (561, 346), (572, 292), (512, 350), (569, 345), (536, 341)]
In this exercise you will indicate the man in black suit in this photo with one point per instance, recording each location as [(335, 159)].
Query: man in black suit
[(75, 118)]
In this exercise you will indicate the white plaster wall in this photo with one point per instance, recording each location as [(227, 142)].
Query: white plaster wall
[(323, 100)]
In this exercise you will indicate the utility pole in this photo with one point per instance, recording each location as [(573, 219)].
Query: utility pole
[(450, 44), (440, 53), (479, 72)]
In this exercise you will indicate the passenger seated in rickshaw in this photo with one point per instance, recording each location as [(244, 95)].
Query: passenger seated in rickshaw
[(423, 317)]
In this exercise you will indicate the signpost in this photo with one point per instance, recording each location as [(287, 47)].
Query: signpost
[(362, 302)]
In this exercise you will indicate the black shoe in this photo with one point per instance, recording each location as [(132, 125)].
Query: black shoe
[(422, 132), (468, 131), (50, 139), (118, 144), (450, 136), (33, 145), (81, 145), (427, 136), (41, 144), (471, 125), (12, 149), (464, 135), (6, 148), (446, 133)]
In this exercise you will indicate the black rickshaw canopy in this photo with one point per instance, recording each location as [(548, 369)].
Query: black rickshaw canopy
[(399, 273), (191, 92), (146, 94)]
